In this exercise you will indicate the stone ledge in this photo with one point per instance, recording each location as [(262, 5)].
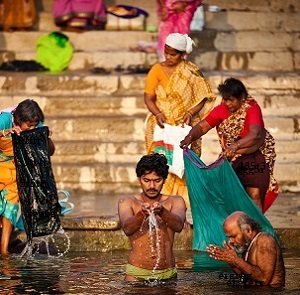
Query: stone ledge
[(257, 5), (14, 86), (91, 223), (107, 240), (96, 232)]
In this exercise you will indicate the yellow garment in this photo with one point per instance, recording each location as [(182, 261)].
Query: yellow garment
[(149, 274), (185, 89), (8, 171)]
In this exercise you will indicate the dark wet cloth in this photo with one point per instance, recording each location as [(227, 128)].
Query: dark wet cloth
[(36, 183), (253, 171)]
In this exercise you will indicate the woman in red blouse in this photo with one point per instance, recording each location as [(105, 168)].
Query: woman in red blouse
[(244, 141)]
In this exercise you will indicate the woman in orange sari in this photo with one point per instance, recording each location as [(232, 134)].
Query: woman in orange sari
[(176, 92)]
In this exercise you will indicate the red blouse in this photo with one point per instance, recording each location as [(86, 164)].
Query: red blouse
[(221, 112)]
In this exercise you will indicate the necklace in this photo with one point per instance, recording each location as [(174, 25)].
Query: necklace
[(250, 245)]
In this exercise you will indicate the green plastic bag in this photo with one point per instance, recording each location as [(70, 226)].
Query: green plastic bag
[(54, 51), (215, 192)]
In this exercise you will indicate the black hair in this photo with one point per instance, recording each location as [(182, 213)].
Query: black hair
[(245, 221), (153, 163), (28, 111), (232, 87)]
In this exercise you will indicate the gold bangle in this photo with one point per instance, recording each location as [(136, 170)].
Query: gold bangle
[(188, 112), (158, 114)]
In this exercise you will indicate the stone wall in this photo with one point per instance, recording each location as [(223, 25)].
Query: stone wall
[(250, 35), (97, 120)]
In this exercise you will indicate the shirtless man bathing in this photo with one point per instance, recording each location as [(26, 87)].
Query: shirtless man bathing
[(261, 262), (150, 220)]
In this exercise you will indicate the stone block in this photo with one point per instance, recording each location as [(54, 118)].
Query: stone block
[(273, 61), (91, 152), (283, 81), (105, 105), (6, 56), (257, 5), (132, 83), (241, 61), (289, 5), (19, 41), (98, 128), (244, 41), (106, 177), (297, 60), (46, 22), (296, 42), (287, 173), (252, 21), (277, 101), (102, 40), (59, 84), (111, 59), (206, 61), (204, 41), (85, 41), (270, 84)]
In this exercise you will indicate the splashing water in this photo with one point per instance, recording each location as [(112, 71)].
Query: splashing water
[(154, 237), (33, 247)]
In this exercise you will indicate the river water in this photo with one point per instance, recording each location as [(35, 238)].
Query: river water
[(103, 273)]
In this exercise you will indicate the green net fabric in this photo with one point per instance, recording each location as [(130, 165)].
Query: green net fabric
[(54, 51), (215, 192)]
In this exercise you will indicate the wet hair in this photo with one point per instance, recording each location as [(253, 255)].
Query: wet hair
[(153, 163), (232, 87), (244, 221), (28, 111)]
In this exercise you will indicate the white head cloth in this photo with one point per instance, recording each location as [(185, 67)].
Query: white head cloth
[(181, 42)]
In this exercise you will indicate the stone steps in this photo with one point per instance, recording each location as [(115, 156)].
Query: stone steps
[(98, 120), (85, 83), (118, 178), (210, 53), (96, 151), (226, 43)]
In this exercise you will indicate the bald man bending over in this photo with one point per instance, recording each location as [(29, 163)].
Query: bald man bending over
[(261, 262)]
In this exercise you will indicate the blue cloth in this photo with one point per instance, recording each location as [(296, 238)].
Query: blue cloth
[(5, 120), (11, 211)]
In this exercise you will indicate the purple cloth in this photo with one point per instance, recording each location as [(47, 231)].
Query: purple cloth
[(79, 13)]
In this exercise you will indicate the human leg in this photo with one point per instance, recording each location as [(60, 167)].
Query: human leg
[(254, 194), (5, 236)]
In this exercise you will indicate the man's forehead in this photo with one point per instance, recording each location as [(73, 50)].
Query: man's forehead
[(150, 175), (231, 226)]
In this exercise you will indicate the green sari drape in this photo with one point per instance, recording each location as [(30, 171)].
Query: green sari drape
[(215, 192)]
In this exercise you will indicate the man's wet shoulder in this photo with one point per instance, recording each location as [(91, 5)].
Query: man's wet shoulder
[(172, 198), (266, 239), (129, 198)]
